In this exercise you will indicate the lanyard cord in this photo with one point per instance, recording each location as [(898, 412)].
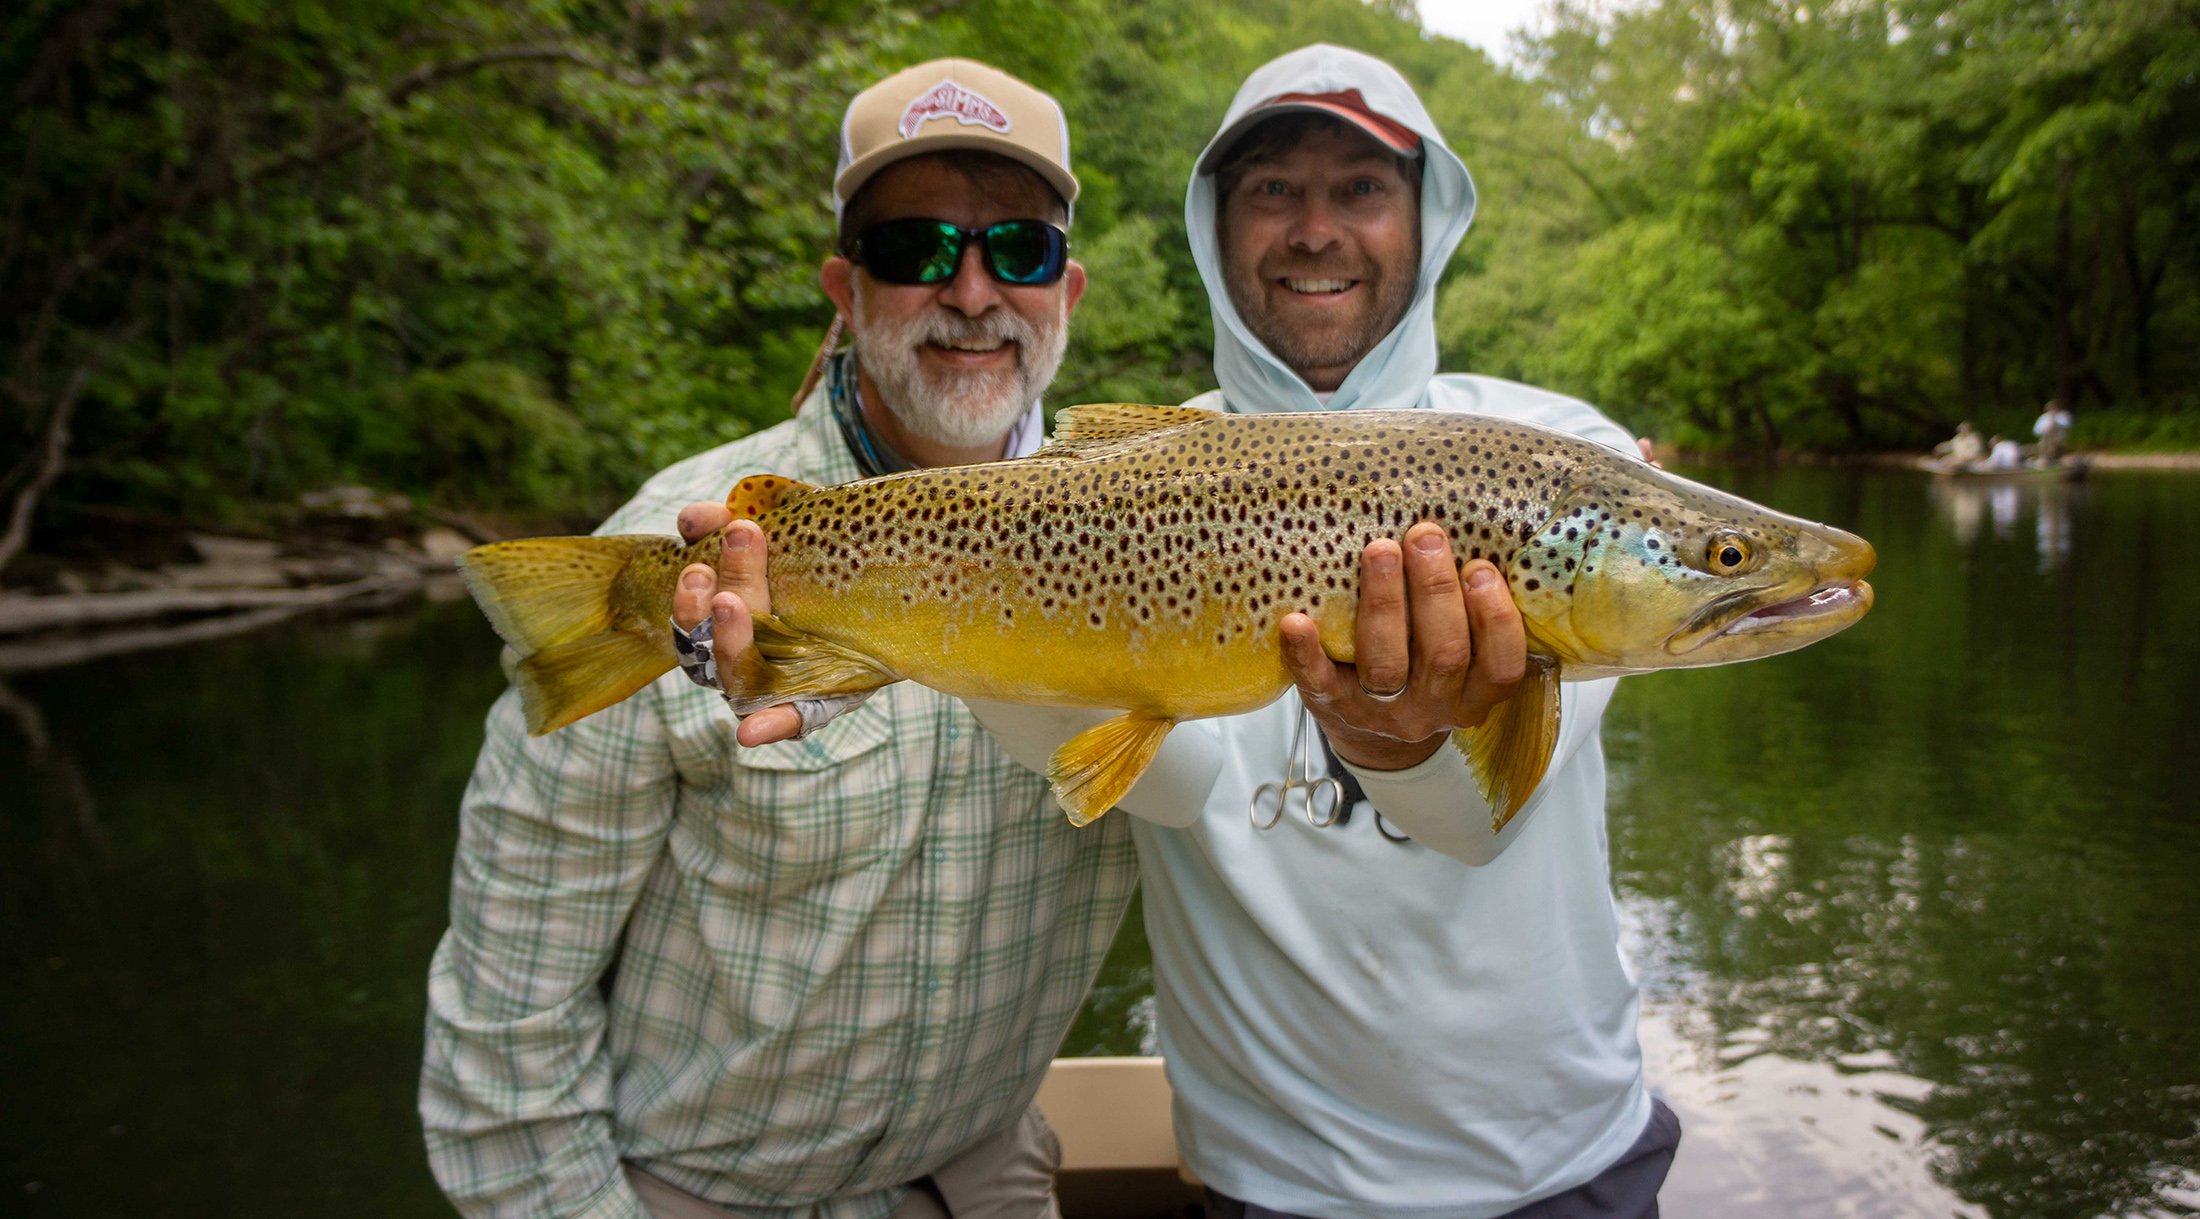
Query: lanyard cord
[(873, 455)]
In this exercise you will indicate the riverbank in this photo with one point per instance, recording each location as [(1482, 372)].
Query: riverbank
[(124, 584), (1909, 460)]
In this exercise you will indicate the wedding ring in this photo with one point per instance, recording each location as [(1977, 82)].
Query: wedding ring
[(1391, 697)]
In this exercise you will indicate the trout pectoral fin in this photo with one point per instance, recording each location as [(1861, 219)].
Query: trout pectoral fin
[(1115, 420), (1094, 768), (1511, 749), (758, 494), (787, 664)]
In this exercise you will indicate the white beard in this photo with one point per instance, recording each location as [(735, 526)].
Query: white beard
[(960, 410)]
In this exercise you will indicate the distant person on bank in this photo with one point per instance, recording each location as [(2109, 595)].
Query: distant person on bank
[(2052, 429), (1965, 447)]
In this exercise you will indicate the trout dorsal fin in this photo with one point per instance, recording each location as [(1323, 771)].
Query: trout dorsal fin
[(1511, 749), (758, 494), (1115, 420)]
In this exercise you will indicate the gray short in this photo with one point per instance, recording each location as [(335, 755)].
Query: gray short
[(1009, 1175), (1626, 1190)]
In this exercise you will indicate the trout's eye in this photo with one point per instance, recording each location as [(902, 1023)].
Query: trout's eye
[(1729, 554)]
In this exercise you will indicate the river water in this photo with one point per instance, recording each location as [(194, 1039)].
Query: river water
[(1914, 910)]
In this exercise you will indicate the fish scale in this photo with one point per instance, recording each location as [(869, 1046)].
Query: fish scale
[(1144, 561)]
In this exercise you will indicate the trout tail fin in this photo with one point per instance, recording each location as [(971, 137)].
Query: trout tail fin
[(553, 600)]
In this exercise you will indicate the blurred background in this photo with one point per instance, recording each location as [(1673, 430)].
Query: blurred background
[(298, 297)]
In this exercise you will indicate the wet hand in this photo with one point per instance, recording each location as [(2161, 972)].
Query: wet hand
[(729, 595), (1437, 648)]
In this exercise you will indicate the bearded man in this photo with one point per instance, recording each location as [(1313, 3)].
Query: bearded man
[(824, 980)]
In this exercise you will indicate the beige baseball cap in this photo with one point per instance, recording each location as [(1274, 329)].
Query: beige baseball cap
[(950, 104)]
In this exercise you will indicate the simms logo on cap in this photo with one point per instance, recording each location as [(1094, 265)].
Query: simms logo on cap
[(950, 100)]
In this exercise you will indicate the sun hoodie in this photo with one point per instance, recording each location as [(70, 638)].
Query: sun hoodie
[(1354, 1025)]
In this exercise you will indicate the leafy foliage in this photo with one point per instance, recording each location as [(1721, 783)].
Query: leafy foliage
[(517, 253), (1850, 225)]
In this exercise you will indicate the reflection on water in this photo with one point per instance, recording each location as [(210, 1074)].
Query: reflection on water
[(221, 874), (1953, 844), (1913, 909), (2044, 503)]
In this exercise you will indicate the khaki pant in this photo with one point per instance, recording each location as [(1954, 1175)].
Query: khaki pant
[(1009, 1175)]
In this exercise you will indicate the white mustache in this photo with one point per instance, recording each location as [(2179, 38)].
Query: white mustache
[(994, 325)]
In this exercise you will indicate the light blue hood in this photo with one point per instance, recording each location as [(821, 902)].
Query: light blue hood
[(1397, 373)]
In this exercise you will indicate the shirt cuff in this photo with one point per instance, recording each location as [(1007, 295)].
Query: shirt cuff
[(1435, 803)]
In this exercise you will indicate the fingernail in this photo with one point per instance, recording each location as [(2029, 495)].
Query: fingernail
[(1483, 577), (721, 614), (1429, 542), (1383, 563), (737, 539), (695, 581)]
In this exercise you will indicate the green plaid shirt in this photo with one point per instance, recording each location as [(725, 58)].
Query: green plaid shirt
[(787, 979)]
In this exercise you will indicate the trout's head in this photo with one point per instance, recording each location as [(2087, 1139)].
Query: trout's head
[(1637, 569)]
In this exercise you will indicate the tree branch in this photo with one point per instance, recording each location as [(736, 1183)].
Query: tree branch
[(53, 455)]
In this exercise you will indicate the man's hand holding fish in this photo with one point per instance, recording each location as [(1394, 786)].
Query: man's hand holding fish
[(1439, 647)]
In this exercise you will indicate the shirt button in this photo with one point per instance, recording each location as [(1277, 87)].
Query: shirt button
[(932, 985), (939, 854), (954, 732)]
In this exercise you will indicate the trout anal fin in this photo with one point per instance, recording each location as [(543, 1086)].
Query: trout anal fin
[(787, 664), (1093, 770), (758, 494), (1511, 749)]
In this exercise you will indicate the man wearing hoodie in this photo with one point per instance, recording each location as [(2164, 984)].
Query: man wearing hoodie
[(1400, 1014), (1356, 1025)]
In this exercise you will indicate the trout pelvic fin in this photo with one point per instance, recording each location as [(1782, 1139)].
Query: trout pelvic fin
[(758, 494), (787, 664), (1116, 420), (1093, 770), (1511, 749), (552, 600)]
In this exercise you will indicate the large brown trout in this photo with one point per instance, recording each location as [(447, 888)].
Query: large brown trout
[(1144, 560)]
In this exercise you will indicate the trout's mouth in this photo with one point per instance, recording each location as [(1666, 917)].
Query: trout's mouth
[(1821, 611), (1832, 599)]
